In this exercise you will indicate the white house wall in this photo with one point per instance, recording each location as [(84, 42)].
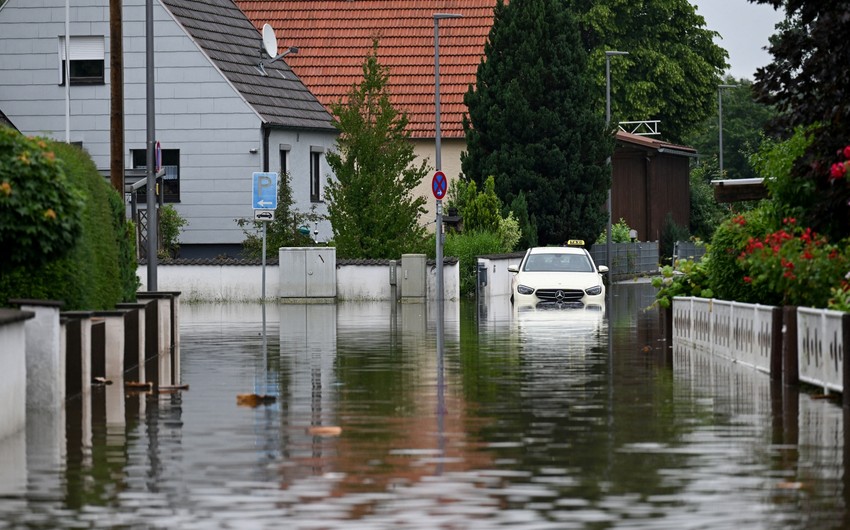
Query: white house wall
[(197, 110)]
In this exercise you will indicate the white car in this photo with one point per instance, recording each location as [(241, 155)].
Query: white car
[(560, 277)]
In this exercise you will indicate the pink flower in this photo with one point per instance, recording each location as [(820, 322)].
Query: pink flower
[(847, 152), (836, 171)]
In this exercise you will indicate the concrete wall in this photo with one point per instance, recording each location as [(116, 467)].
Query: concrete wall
[(13, 371), (369, 280)]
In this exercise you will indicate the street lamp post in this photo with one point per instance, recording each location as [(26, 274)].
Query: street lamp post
[(608, 55), (720, 121)]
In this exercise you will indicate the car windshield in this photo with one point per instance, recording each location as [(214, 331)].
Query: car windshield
[(558, 263)]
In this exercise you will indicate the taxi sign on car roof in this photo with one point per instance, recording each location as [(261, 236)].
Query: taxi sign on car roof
[(575, 243)]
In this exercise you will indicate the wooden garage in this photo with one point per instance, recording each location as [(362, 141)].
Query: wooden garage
[(651, 178)]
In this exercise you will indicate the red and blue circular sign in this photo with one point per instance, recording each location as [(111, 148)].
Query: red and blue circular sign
[(439, 185)]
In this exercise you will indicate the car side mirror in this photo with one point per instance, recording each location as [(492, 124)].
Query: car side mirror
[(513, 268), (602, 269)]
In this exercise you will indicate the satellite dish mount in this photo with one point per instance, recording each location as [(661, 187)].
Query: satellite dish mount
[(270, 47)]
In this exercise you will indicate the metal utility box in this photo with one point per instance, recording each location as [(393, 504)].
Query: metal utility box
[(412, 276), (307, 272)]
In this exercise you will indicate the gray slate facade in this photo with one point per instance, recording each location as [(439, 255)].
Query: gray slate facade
[(218, 118)]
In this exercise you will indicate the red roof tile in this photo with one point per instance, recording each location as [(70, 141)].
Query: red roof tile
[(333, 38)]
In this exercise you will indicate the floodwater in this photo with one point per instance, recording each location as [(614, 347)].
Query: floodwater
[(533, 420)]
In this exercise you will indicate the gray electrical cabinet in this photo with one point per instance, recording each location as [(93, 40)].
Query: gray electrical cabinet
[(307, 272), (412, 276)]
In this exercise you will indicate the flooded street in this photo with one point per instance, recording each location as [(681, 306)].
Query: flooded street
[(530, 420)]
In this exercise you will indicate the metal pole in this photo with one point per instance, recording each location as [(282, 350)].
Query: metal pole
[(264, 264), (608, 55), (720, 122), (67, 71), (607, 123), (720, 126), (438, 157), (151, 134)]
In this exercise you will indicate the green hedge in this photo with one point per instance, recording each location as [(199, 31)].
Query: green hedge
[(99, 270)]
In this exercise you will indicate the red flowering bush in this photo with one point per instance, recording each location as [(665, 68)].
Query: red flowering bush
[(838, 171), (795, 265)]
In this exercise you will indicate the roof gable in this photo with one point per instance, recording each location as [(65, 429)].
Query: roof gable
[(335, 36), (235, 46)]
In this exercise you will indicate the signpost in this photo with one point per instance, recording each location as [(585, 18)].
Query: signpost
[(264, 202)]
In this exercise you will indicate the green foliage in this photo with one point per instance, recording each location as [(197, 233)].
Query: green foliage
[(371, 204), (671, 232), (99, 268), (673, 67), (535, 123), (40, 208), (171, 223), (725, 271), (481, 211), (619, 233), (527, 226), (706, 212), (467, 247), (509, 232), (684, 278), (840, 300), (774, 162), (744, 120), (284, 231), (807, 83), (795, 266)]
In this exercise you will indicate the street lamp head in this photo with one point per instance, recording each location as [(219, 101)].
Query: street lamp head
[(609, 53), (441, 16)]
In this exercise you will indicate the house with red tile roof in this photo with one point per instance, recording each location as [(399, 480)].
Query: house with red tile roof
[(333, 38)]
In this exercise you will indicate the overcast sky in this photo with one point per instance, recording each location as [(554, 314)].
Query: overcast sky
[(744, 28)]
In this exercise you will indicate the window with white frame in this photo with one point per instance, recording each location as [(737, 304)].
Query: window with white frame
[(87, 60), (284, 155)]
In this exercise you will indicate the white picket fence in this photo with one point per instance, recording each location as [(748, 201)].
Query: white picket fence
[(739, 332), (820, 347), (743, 333)]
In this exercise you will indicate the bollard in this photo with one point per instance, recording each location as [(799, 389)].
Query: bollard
[(134, 341), (776, 344), (790, 363), (77, 352), (44, 355)]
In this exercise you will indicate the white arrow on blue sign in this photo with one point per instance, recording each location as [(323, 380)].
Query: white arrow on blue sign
[(264, 196)]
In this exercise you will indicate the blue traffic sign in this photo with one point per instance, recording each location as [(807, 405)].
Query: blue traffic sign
[(264, 196)]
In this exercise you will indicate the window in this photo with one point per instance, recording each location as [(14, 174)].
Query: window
[(171, 165), (315, 174), (284, 152), (87, 60)]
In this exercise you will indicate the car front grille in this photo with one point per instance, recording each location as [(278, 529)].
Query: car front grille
[(560, 295)]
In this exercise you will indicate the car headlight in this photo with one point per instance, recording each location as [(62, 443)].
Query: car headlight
[(593, 291), (524, 289)]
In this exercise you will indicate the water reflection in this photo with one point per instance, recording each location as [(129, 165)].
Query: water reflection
[(550, 419)]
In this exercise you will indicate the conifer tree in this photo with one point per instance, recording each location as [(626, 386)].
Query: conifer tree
[(533, 122), (371, 205)]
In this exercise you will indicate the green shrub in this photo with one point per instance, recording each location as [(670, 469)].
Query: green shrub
[(466, 247), (619, 233), (725, 272), (684, 278), (99, 268), (670, 233), (171, 223), (40, 207)]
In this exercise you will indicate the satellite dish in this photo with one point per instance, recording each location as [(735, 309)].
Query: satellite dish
[(269, 40), (270, 46)]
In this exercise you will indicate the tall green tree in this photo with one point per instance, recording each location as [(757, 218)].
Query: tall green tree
[(808, 82), (744, 123), (371, 205), (534, 121), (673, 67)]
